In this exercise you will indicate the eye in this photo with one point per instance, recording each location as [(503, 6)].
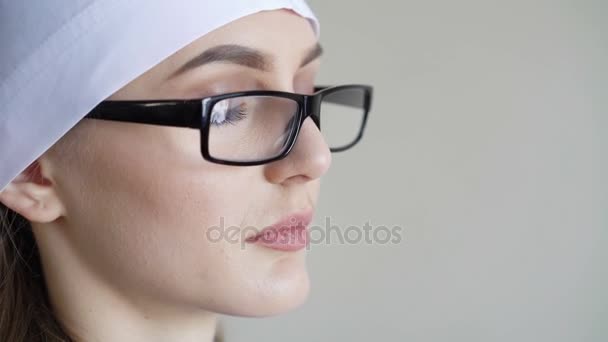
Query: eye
[(223, 113)]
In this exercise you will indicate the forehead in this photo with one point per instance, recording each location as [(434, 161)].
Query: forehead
[(282, 34), (275, 24)]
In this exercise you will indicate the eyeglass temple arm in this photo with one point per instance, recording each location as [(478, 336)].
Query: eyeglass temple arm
[(161, 113)]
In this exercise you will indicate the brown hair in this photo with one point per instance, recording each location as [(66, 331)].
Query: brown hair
[(25, 311)]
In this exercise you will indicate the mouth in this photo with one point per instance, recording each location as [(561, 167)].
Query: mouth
[(287, 234)]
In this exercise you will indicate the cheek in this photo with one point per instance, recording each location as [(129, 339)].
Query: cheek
[(144, 226), (200, 240)]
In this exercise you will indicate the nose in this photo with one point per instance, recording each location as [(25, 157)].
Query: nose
[(309, 159)]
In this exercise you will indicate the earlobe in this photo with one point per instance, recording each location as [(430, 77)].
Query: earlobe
[(33, 196)]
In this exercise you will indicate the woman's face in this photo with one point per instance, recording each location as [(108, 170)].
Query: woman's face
[(139, 199)]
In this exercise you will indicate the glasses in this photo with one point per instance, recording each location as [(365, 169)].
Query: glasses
[(253, 127)]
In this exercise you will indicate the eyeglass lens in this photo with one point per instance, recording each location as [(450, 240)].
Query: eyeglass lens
[(253, 128)]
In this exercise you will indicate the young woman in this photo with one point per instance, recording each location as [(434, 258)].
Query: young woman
[(166, 200)]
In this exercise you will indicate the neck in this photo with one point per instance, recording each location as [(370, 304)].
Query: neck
[(92, 310)]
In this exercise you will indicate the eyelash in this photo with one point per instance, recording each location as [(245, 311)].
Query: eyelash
[(234, 114)]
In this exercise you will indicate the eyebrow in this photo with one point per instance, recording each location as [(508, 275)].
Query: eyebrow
[(241, 55)]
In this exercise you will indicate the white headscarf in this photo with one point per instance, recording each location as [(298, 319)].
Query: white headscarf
[(60, 58)]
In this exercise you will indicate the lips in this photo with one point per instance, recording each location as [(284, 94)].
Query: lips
[(288, 234)]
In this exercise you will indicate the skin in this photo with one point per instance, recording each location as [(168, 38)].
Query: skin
[(120, 211)]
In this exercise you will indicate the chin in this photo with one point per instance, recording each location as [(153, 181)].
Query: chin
[(273, 297), (288, 299)]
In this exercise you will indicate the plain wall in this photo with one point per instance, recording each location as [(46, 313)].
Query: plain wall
[(487, 145)]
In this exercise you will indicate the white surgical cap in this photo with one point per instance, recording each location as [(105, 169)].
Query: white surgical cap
[(60, 58)]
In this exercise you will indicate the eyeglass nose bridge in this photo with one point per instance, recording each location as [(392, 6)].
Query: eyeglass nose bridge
[(312, 108)]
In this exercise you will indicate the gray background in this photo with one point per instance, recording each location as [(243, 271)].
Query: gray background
[(487, 145)]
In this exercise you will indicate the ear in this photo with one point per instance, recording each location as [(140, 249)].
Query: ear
[(33, 196)]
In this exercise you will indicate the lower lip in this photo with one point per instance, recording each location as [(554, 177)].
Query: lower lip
[(284, 238)]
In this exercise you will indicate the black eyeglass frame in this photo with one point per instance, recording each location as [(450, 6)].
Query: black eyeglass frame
[(195, 113)]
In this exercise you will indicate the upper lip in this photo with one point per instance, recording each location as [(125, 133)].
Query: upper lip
[(297, 218)]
